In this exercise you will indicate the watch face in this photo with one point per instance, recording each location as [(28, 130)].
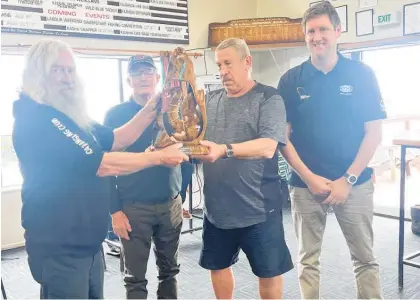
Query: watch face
[(352, 179), (229, 153)]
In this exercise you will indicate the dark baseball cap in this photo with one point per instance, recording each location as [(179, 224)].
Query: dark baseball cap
[(137, 60)]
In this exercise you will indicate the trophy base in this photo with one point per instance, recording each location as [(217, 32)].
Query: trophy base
[(194, 149)]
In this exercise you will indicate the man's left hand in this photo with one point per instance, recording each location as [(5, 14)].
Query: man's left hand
[(216, 151), (340, 190)]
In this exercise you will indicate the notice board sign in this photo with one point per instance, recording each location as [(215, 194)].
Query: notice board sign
[(164, 21)]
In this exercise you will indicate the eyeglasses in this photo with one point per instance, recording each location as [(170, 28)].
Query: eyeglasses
[(146, 72)]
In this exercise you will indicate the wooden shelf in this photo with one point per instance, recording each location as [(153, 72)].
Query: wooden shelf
[(265, 47)]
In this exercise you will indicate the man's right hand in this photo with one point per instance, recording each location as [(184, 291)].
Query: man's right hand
[(150, 107), (172, 156), (121, 225), (319, 185)]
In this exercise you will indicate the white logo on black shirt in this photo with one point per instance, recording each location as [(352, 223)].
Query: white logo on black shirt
[(76, 139), (302, 93)]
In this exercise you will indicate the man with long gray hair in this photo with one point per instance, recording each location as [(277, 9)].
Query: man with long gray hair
[(65, 160), (334, 111), (243, 190)]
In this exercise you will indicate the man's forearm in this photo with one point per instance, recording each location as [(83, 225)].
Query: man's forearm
[(256, 149), (291, 156), (119, 163), (366, 151), (127, 134)]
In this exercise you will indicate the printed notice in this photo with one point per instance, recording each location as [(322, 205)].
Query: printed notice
[(164, 21)]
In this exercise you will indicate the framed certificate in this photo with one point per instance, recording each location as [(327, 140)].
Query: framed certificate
[(342, 13), (411, 19), (364, 23)]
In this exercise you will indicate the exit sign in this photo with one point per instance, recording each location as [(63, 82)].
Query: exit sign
[(392, 18)]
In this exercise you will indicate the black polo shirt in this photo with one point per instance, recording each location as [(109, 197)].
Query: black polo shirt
[(327, 113), (149, 186)]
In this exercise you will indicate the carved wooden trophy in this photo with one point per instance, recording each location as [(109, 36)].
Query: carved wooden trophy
[(181, 112)]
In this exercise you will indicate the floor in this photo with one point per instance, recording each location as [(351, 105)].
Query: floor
[(337, 279)]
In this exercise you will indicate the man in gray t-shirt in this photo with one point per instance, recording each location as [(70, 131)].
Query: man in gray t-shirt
[(242, 187)]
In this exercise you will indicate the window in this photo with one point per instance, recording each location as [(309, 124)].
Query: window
[(11, 72), (397, 72), (10, 172), (101, 83)]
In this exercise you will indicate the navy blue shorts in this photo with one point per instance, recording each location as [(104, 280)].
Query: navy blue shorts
[(263, 244)]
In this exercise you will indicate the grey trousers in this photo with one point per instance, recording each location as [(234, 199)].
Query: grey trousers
[(355, 218), (161, 223), (66, 277)]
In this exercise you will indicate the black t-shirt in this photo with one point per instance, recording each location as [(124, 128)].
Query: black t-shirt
[(65, 204), (328, 112), (150, 186)]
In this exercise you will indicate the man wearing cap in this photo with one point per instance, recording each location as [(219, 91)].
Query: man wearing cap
[(147, 205)]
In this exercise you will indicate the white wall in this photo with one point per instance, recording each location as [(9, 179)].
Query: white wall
[(272, 65), (281, 8), (11, 229)]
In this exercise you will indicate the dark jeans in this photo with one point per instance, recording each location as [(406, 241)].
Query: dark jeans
[(111, 235), (66, 277), (161, 223)]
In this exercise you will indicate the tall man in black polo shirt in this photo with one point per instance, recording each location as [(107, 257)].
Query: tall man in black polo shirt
[(64, 157), (334, 111), (147, 206)]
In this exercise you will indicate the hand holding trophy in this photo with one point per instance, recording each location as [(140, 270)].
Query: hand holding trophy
[(181, 111)]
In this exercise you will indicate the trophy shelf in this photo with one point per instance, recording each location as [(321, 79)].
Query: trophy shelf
[(260, 33)]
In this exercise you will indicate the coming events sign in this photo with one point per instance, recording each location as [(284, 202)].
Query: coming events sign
[(164, 21)]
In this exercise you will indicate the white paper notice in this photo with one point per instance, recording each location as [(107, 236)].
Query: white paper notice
[(367, 3), (364, 22), (412, 19)]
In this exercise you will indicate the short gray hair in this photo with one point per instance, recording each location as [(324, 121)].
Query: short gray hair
[(238, 44), (324, 8), (38, 62)]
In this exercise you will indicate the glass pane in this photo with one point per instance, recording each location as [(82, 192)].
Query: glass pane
[(101, 83), (11, 73), (397, 73), (126, 88), (10, 172)]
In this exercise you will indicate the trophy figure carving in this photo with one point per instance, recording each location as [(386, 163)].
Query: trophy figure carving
[(181, 111)]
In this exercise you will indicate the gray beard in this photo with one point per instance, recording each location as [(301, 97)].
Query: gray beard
[(71, 103)]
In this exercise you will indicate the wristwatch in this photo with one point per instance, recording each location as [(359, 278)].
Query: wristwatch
[(352, 179), (229, 152)]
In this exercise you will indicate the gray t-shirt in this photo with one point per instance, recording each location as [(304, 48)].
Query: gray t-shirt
[(238, 192)]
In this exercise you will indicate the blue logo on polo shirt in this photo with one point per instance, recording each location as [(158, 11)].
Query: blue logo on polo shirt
[(346, 90)]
